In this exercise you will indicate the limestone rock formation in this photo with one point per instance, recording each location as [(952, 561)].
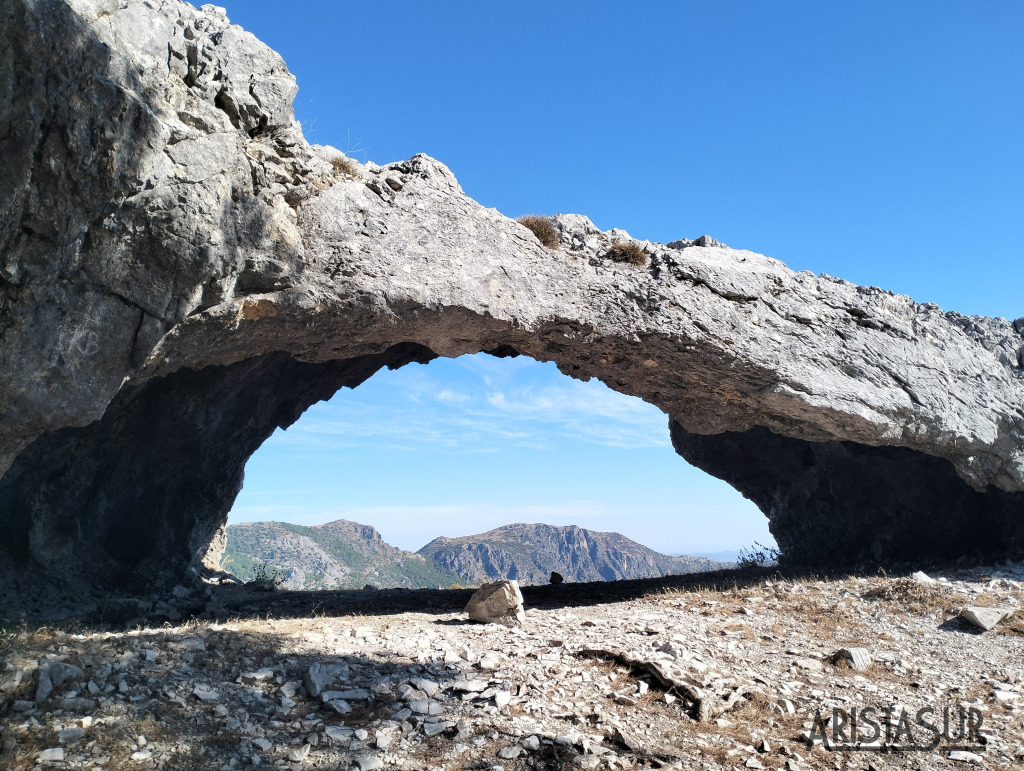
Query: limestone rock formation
[(985, 619), (181, 273), (336, 555), (500, 602), (533, 553), (348, 555)]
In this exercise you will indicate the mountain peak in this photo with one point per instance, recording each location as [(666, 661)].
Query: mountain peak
[(529, 552), (345, 554)]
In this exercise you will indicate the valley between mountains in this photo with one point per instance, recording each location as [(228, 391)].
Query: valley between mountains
[(349, 555)]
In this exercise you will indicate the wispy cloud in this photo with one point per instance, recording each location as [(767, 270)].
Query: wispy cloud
[(254, 513), (406, 437), (450, 397), (488, 404)]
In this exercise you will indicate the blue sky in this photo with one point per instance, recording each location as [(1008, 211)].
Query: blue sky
[(465, 445), (876, 141)]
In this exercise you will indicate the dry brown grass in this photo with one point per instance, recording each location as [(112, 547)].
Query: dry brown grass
[(757, 711), (629, 252), (542, 227), (736, 628), (716, 752), (724, 606), (8, 635), (1014, 625), (24, 640), (915, 597), (30, 744), (668, 593), (822, 617), (344, 167)]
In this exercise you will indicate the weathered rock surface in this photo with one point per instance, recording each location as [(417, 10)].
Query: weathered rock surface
[(533, 553), (499, 602), (336, 555), (347, 555), (679, 679), (986, 619), (181, 273)]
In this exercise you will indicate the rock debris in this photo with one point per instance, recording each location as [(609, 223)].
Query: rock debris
[(673, 679)]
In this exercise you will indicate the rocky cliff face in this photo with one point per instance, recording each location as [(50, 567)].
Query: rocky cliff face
[(152, 168), (529, 553), (181, 273), (337, 555), (348, 555)]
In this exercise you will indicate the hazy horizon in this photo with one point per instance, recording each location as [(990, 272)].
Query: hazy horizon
[(465, 445), (721, 554)]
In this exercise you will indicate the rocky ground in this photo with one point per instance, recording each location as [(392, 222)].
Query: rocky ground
[(666, 673)]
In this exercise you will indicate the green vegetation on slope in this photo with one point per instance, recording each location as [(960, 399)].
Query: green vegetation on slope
[(338, 555), (348, 555)]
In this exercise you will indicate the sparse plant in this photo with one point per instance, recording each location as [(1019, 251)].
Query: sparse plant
[(1014, 625), (629, 252), (7, 637), (915, 596), (542, 227), (343, 167), (266, 577), (758, 556)]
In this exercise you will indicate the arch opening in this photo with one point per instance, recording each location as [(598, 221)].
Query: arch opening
[(469, 451), (135, 499), (178, 300)]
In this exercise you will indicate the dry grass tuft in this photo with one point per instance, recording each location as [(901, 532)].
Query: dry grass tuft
[(754, 712), (30, 744), (8, 635), (718, 753), (915, 597), (542, 227), (343, 167), (986, 601), (845, 667), (630, 252), (1014, 625), (737, 629)]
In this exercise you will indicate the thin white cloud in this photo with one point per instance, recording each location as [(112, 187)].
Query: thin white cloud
[(253, 513), (418, 412), (482, 405)]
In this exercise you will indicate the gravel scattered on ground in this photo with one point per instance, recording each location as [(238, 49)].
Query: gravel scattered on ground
[(717, 678)]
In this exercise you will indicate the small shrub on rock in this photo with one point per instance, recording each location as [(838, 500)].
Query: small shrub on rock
[(266, 577), (915, 596), (542, 227), (629, 252), (758, 556), (343, 166)]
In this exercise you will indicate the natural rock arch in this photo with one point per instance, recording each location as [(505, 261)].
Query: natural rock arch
[(181, 273)]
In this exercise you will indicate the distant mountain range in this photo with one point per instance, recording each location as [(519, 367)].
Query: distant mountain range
[(348, 555), (528, 553), (338, 555)]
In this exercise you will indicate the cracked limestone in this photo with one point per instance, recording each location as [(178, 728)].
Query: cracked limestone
[(499, 602)]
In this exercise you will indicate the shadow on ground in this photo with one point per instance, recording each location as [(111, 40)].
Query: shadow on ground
[(230, 600), (242, 601)]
